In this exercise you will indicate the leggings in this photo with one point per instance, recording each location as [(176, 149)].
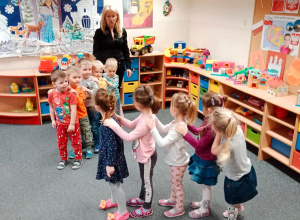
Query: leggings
[(146, 172), (118, 195)]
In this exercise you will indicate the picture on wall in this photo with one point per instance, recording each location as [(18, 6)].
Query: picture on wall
[(275, 64), (277, 6), (31, 27), (281, 34), (137, 13), (291, 6)]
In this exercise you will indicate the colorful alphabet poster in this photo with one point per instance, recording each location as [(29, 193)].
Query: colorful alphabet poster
[(137, 13), (281, 34), (31, 27)]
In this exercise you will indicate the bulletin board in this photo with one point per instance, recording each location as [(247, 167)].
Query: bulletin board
[(262, 8)]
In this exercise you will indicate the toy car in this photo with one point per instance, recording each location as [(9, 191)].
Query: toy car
[(243, 111), (146, 65), (47, 64), (147, 78), (240, 96), (256, 102)]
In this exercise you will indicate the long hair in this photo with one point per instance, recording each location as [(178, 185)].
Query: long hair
[(224, 120), (145, 96), (185, 106), (106, 100), (117, 27)]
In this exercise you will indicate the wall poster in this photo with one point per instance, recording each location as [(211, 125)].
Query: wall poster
[(27, 27), (281, 34)]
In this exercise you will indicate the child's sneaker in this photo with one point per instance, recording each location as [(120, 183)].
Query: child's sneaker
[(166, 202), (77, 164), (240, 209), (88, 154), (72, 155), (62, 164), (139, 213), (96, 151)]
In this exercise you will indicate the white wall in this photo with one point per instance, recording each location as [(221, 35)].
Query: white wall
[(222, 26)]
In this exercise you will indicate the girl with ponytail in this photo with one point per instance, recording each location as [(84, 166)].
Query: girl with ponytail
[(230, 147), (175, 154), (112, 164), (143, 146)]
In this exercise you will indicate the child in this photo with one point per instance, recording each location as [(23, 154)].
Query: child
[(97, 70), (87, 81), (230, 147), (143, 146), (111, 66), (112, 164), (74, 76), (285, 47), (175, 155), (203, 166), (63, 116)]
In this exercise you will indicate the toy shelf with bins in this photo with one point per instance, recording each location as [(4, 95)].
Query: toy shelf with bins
[(12, 105)]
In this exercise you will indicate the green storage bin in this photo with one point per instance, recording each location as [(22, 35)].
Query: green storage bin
[(253, 135), (202, 92)]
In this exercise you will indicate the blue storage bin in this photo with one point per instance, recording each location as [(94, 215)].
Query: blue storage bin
[(134, 75), (128, 98), (298, 142), (204, 82), (281, 147), (134, 63), (200, 105), (45, 109)]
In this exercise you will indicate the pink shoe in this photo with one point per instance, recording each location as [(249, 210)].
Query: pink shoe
[(107, 204), (134, 214), (240, 209), (166, 202), (117, 216), (173, 213), (134, 202), (193, 214)]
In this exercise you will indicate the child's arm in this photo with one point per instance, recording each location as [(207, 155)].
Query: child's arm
[(170, 138), (216, 147), (127, 123), (193, 129), (73, 118), (52, 115), (161, 127)]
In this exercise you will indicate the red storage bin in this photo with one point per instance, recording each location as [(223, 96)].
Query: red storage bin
[(296, 160), (195, 78)]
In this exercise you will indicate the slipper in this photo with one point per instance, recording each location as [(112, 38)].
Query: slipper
[(134, 214), (166, 202), (193, 214), (107, 204), (240, 209), (171, 214), (117, 216), (194, 206), (134, 202)]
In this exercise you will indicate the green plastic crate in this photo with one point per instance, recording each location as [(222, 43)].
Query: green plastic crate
[(253, 135), (202, 92)]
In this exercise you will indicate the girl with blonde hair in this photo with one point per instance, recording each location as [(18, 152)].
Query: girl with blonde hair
[(230, 147)]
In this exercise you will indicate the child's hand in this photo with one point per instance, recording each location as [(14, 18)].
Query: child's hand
[(108, 122), (53, 123), (71, 128), (118, 117), (50, 91), (73, 91), (128, 71), (110, 171), (83, 88), (150, 122), (94, 79), (182, 129)]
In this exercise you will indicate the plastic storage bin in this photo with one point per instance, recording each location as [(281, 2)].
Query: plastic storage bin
[(195, 78), (298, 142), (194, 89), (253, 135), (200, 105), (134, 75), (214, 86), (281, 147), (45, 109), (194, 99), (130, 86), (134, 63), (296, 160), (202, 92), (128, 98), (204, 82)]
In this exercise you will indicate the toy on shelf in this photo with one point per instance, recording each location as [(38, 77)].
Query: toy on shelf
[(169, 72), (281, 112), (146, 65), (185, 74), (240, 96), (29, 105), (254, 78), (180, 53), (142, 44), (256, 102), (147, 78), (180, 84), (277, 87), (14, 88), (221, 67), (298, 98), (47, 64), (243, 111), (208, 65), (169, 83), (42, 81), (258, 120), (205, 55), (66, 61), (25, 86)]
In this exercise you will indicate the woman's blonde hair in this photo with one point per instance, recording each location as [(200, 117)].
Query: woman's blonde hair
[(224, 120), (106, 100), (117, 27), (145, 97), (185, 106)]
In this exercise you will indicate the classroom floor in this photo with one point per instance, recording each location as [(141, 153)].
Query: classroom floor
[(32, 188)]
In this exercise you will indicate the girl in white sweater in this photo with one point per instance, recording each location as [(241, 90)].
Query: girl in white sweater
[(175, 154)]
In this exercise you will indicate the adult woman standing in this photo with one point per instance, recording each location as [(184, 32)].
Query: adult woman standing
[(110, 40)]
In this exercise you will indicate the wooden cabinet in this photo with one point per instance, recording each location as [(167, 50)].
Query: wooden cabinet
[(12, 105)]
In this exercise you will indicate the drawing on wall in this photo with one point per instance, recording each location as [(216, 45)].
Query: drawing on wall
[(29, 27), (275, 64), (293, 72), (137, 13), (291, 6), (281, 34), (257, 60)]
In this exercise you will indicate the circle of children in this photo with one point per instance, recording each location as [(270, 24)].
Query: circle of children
[(79, 100)]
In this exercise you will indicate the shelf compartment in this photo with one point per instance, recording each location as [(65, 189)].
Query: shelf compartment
[(43, 99), (248, 120), (178, 78), (46, 114), (20, 113), (16, 95), (156, 82), (278, 156), (48, 86), (155, 71), (174, 88), (252, 143), (288, 122), (7, 81), (246, 105), (279, 135)]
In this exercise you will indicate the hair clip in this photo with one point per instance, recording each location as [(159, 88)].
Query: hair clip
[(110, 108), (229, 118), (107, 93), (189, 102), (212, 102), (150, 96)]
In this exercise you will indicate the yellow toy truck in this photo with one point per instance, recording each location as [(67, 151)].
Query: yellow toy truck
[(141, 44)]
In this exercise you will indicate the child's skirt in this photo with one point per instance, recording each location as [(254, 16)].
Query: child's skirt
[(241, 191), (202, 171)]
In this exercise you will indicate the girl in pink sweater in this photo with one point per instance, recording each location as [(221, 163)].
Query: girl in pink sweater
[(143, 146), (202, 166)]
